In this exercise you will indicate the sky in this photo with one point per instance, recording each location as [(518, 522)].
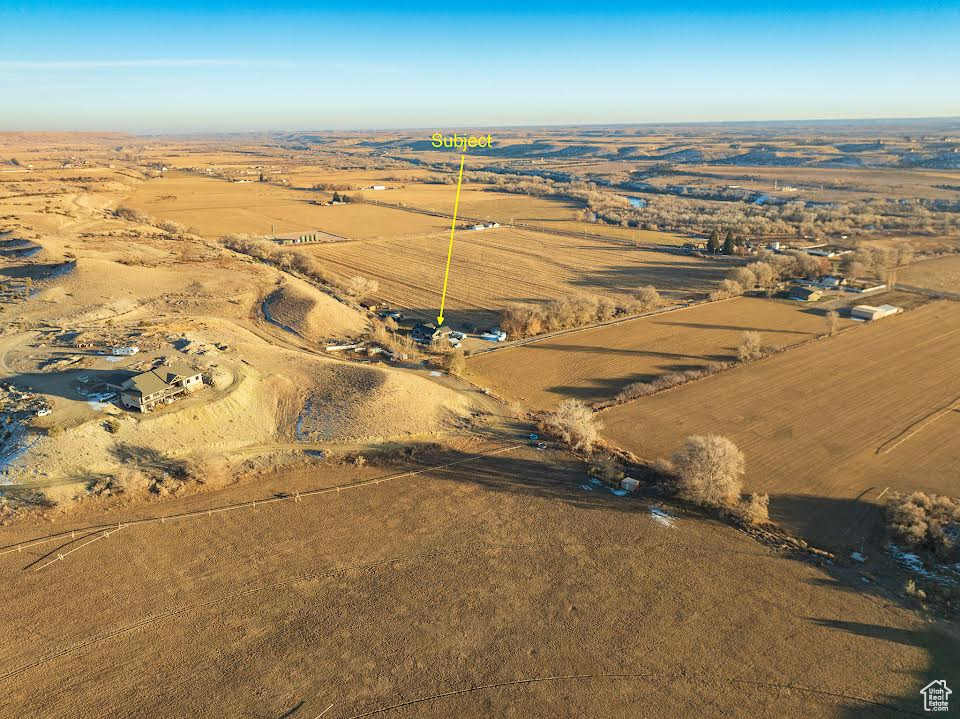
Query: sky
[(218, 66)]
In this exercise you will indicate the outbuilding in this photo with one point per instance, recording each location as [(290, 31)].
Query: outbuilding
[(804, 294), (869, 313)]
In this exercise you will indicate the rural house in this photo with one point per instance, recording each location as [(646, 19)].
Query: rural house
[(804, 294), (161, 385), (427, 333)]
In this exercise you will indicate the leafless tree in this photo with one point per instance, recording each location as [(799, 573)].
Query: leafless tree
[(709, 470), (573, 423), (750, 347)]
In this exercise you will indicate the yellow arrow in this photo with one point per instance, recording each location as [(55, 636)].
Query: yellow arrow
[(453, 227)]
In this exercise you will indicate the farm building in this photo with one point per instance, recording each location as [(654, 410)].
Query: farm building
[(306, 238), (427, 333), (832, 282), (161, 385), (870, 313), (804, 294)]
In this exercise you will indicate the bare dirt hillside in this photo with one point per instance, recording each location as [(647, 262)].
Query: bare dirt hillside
[(315, 316), (363, 403)]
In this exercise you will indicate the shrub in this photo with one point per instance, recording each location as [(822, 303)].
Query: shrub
[(456, 362), (832, 319), (925, 521), (573, 423), (112, 425), (361, 288), (744, 277), (205, 467), (750, 347), (645, 299), (727, 288), (132, 215), (709, 471), (755, 509)]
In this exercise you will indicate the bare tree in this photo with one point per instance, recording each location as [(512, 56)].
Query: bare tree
[(573, 423), (744, 277), (361, 287), (832, 321), (709, 470), (750, 347)]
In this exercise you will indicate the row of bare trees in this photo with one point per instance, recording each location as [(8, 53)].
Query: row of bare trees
[(526, 320), (354, 288)]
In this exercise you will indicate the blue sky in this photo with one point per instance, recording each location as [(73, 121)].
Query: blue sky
[(234, 66)]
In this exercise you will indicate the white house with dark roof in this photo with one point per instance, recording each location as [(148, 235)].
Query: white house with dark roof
[(161, 385)]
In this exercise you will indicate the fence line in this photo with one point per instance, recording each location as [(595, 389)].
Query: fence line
[(296, 497)]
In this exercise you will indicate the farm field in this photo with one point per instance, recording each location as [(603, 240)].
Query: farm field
[(594, 364), (940, 274), (217, 207), (491, 268), (356, 603), (827, 427)]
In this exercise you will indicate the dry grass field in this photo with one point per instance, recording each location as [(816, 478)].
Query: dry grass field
[(829, 426), (215, 207), (595, 364), (452, 582), (491, 268), (491, 588), (941, 274)]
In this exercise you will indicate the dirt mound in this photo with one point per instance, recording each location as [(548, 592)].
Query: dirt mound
[(355, 403), (304, 310)]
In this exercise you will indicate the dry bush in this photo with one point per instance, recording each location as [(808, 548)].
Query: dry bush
[(755, 509), (925, 521), (132, 215), (361, 288), (206, 467), (635, 390), (727, 288), (573, 423), (645, 299), (709, 471), (744, 277), (526, 320), (608, 469), (112, 425), (763, 272), (832, 320), (129, 480), (456, 362), (750, 347)]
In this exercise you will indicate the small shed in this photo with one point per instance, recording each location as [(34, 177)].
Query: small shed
[(630, 484)]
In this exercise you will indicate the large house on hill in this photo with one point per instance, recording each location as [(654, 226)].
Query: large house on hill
[(161, 385)]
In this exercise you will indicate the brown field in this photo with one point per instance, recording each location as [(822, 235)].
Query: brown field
[(491, 268), (940, 274), (821, 424), (217, 207), (474, 580), (595, 364)]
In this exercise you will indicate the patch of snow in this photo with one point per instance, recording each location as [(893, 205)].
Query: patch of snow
[(434, 373), (661, 517)]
